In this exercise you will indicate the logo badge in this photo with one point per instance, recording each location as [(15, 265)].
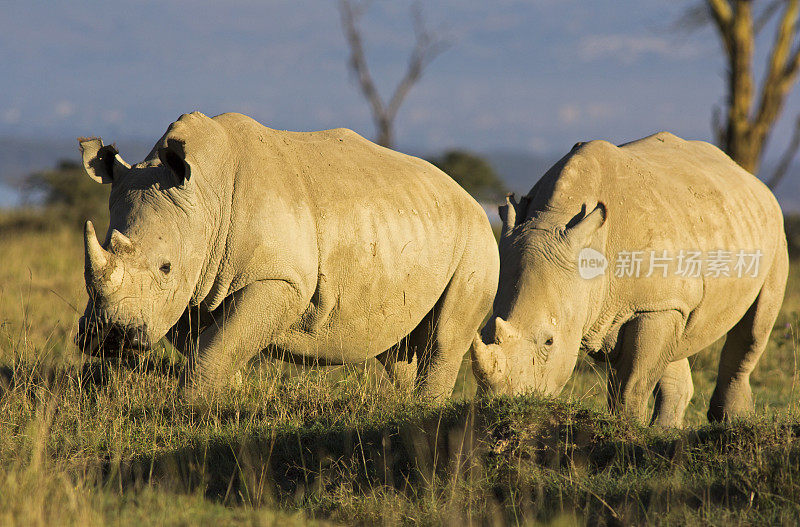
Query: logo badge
[(591, 263)]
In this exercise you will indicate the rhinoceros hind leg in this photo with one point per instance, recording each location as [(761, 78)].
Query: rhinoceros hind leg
[(445, 335), (647, 345), (744, 345), (673, 393)]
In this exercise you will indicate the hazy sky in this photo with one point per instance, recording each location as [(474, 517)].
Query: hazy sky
[(534, 75)]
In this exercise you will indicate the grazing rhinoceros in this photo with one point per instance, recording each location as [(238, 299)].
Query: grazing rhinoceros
[(231, 237), (709, 244)]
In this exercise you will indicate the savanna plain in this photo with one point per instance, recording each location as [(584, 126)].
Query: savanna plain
[(86, 442)]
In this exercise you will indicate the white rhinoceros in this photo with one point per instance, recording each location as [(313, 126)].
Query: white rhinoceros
[(708, 240), (231, 238)]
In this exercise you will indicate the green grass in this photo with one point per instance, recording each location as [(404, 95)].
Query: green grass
[(84, 442)]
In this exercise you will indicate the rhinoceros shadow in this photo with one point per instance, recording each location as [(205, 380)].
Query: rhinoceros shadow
[(295, 465), (465, 445)]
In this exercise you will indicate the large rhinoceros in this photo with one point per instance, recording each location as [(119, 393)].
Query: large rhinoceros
[(231, 238), (641, 255)]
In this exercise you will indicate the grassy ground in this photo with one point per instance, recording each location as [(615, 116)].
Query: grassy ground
[(88, 443)]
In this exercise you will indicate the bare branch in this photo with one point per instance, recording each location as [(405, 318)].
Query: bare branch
[(358, 60), (740, 81), (743, 131), (722, 13), (717, 128), (426, 48), (765, 15), (695, 17), (786, 159), (780, 72), (360, 8), (793, 64), (700, 15)]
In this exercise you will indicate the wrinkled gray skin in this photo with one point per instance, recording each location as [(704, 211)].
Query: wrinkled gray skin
[(658, 193), (231, 238)]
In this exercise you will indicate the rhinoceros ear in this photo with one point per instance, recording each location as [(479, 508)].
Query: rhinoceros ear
[(508, 214), (173, 156), (512, 212), (102, 163), (580, 230)]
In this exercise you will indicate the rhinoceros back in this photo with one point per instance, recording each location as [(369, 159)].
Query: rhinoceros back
[(377, 232), (663, 193)]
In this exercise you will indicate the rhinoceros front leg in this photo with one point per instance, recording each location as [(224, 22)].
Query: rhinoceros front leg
[(672, 394), (245, 323), (401, 365), (648, 342), (185, 335)]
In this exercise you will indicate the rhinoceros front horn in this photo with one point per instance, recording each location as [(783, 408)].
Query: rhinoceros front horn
[(96, 257), (480, 354), (487, 364)]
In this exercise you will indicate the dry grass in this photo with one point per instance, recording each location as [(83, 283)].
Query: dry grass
[(88, 443)]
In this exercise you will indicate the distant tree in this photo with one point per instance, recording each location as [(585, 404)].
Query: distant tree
[(68, 194), (743, 129), (473, 173), (426, 48)]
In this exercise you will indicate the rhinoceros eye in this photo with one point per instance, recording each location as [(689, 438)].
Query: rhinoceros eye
[(165, 268), (548, 342)]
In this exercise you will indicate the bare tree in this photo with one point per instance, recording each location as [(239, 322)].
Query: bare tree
[(744, 130), (426, 47)]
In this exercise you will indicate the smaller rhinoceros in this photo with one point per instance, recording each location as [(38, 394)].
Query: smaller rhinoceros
[(231, 238), (641, 255)]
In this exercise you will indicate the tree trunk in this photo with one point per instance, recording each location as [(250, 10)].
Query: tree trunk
[(385, 133), (745, 152), (751, 117), (426, 48)]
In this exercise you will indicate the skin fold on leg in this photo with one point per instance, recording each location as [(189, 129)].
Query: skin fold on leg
[(232, 339), (647, 345), (673, 393)]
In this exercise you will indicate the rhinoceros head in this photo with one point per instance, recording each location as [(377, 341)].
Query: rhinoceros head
[(532, 340), (141, 279)]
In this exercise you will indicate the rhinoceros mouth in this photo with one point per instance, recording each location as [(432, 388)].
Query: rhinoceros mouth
[(113, 340)]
